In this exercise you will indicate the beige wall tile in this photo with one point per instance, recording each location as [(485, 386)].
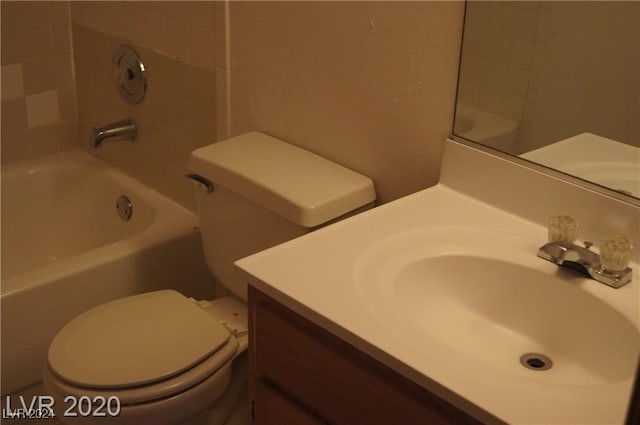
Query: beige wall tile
[(179, 9), (10, 50), (14, 117), (222, 132), (39, 76), (10, 15), (69, 131), (32, 13), (221, 58), (61, 39), (158, 30), (45, 140), (63, 71), (14, 148), (136, 27), (13, 85), (67, 104), (202, 14), (203, 117), (36, 44), (203, 44), (59, 12), (223, 115), (181, 29), (177, 114), (42, 109), (156, 7), (179, 38)]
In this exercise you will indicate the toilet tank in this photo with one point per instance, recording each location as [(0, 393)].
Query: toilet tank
[(265, 192)]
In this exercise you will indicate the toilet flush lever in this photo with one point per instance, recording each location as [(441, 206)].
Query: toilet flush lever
[(201, 180)]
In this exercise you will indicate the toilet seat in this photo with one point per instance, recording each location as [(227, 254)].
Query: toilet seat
[(174, 343)]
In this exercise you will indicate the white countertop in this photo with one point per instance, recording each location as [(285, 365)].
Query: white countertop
[(315, 276)]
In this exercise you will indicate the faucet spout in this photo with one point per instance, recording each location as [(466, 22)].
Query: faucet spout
[(560, 253), (120, 130), (585, 261)]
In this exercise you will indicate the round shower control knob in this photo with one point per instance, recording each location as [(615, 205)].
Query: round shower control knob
[(129, 74)]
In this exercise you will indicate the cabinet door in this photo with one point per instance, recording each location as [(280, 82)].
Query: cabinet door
[(273, 408), (329, 377)]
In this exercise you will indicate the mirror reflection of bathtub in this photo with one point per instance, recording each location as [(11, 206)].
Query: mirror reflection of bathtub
[(593, 158), (65, 249), (486, 128)]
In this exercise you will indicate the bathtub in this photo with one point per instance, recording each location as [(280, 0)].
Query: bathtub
[(65, 249), (485, 128)]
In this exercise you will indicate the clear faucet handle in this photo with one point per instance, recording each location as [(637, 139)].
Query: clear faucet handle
[(615, 252), (562, 228)]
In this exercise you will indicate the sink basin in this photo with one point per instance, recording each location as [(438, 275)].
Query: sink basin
[(486, 295), (444, 286)]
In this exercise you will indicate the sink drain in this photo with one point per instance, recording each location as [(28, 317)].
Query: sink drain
[(536, 361)]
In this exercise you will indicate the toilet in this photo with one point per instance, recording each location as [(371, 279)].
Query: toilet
[(161, 358)]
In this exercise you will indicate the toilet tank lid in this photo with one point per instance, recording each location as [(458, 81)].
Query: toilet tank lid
[(298, 185)]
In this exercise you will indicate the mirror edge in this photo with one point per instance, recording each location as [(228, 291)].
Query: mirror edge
[(603, 190)]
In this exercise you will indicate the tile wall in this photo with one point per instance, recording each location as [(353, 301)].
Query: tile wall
[(499, 45), (587, 71), (37, 88), (181, 44), (535, 61)]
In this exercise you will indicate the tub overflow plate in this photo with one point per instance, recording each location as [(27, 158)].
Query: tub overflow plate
[(124, 207)]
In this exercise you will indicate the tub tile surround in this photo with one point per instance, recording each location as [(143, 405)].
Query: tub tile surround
[(38, 92), (51, 99), (178, 43), (173, 119)]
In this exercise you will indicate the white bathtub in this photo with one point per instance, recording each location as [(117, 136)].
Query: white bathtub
[(65, 249)]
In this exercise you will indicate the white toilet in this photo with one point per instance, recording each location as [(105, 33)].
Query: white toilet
[(161, 358)]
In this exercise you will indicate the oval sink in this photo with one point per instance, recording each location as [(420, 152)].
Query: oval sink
[(486, 294)]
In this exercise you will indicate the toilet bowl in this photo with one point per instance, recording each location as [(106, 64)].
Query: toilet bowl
[(163, 359), (187, 357)]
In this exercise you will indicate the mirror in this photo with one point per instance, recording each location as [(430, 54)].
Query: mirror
[(556, 83)]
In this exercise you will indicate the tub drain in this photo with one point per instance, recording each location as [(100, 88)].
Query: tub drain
[(536, 361), (124, 207)]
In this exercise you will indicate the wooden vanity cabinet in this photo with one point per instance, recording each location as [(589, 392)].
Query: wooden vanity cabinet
[(300, 374)]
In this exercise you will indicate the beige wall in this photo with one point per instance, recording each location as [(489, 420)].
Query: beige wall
[(38, 99), (370, 85), (179, 42)]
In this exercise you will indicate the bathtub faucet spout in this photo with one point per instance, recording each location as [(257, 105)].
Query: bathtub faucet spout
[(120, 130)]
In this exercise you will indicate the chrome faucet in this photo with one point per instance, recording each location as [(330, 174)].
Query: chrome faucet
[(608, 267), (120, 130)]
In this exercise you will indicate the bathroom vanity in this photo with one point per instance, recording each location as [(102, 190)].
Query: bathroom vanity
[(303, 374), (435, 308)]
